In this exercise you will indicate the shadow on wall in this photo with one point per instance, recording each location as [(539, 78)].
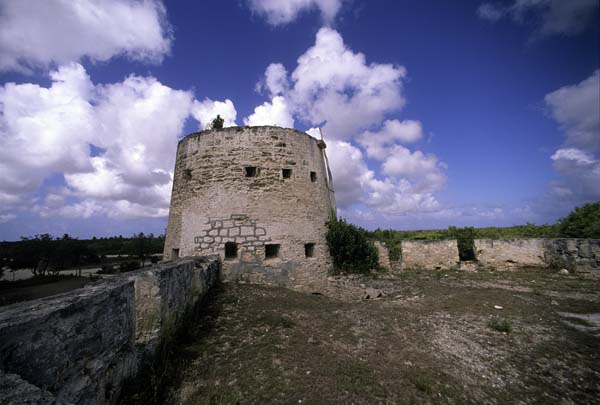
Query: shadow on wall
[(59, 349)]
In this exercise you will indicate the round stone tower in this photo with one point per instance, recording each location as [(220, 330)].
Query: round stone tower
[(259, 197)]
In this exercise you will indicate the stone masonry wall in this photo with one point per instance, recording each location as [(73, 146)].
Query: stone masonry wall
[(78, 347), (215, 201), (510, 253), (429, 254), (582, 255)]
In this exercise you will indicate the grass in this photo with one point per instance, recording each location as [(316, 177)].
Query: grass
[(501, 325)]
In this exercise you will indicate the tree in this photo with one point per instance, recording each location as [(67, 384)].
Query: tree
[(217, 123), (350, 249), (141, 247), (582, 222)]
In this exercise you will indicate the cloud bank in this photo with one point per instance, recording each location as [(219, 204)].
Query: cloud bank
[(113, 144), (576, 109), (63, 31)]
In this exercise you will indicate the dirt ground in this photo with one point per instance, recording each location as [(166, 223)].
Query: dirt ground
[(434, 337)]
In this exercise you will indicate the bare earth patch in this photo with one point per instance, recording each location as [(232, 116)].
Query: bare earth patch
[(443, 337)]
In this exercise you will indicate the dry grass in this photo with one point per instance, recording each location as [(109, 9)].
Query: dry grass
[(429, 340)]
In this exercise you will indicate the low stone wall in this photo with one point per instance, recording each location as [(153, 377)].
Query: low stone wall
[(510, 253), (580, 255), (80, 346), (429, 254)]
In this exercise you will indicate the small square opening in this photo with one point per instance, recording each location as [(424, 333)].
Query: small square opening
[(286, 173), (313, 176), (271, 251), (250, 171), (231, 250), (309, 250), (174, 254)]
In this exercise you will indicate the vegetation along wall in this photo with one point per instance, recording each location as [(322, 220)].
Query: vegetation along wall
[(80, 346)]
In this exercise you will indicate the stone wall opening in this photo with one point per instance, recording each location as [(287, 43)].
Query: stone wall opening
[(271, 251), (251, 171), (286, 173), (231, 250), (174, 254), (309, 250), (313, 176)]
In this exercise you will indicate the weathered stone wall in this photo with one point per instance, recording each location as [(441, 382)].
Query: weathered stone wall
[(510, 253), (384, 255), (215, 202), (78, 347), (429, 254), (581, 255)]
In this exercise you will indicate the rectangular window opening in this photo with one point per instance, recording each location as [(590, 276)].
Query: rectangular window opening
[(174, 254), (313, 176), (271, 251), (250, 171), (309, 250), (286, 173), (231, 250)]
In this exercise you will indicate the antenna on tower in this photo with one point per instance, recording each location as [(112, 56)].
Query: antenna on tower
[(321, 132)]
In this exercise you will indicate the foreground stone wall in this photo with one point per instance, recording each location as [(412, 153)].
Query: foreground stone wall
[(251, 189), (79, 347), (429, 254)]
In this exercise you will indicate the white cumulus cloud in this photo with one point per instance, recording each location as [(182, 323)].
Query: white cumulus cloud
[(132, 125), (206, 111), (41, 33), (378, 143), (279, 12), (577, 109), (274, 113)]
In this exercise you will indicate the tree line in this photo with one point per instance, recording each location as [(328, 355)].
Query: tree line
[(45, 254)]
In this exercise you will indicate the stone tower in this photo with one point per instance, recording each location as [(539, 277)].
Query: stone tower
[(260, 197)]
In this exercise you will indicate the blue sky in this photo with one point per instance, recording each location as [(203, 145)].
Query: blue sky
[(436, 113)]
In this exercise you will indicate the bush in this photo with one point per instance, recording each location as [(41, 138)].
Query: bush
[(501, 325), (350, 249), (129, 266), (582, 222), (217, 123), (465, 240)]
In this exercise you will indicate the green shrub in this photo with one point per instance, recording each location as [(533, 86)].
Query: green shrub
[(465, 240), (502, 325), (350, 249), (129, 266), (582, 222), (217, 123)]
